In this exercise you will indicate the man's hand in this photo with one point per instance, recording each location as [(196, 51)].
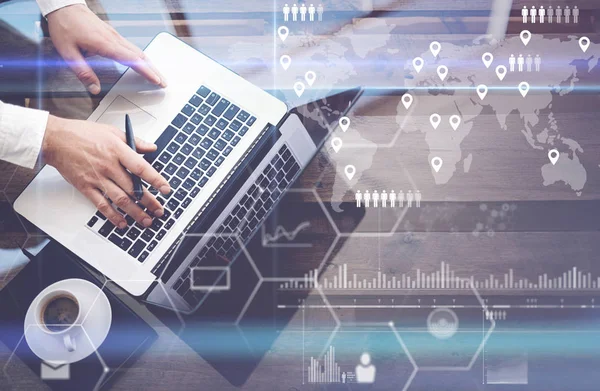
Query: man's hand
[(77, 32), (93, 158)]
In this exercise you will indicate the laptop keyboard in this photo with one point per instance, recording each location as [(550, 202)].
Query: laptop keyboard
[(201, 136), (244, 219)]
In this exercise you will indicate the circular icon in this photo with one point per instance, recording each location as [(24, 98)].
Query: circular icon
[(442, 323)]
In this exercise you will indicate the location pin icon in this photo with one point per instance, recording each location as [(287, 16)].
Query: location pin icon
[(487, 59), (524, 88), (553, 155), (455, 121), (442, 72), (350, 170), (501, 72), (435, 120), (436, 163), (336, 144), (584, 43), (283, 32), (482, 91), (299, 88), (525, 37), (310, 77), (344, 123), (407, 100), (418, 64), (435, 48), (285, 61)]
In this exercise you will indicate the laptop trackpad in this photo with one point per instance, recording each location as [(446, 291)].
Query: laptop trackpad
[(114, 115)]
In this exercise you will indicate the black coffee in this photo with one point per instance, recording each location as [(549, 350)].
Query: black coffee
[(60, 313)]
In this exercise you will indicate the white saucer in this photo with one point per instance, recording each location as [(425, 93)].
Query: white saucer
[(96, 321)]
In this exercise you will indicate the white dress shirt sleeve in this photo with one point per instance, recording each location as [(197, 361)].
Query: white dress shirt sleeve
[(47, 6), (21, 134)]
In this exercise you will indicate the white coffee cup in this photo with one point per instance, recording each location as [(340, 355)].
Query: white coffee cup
[(62, 306)]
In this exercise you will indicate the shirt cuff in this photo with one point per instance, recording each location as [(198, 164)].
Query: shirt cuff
[(21, 134), (47, 6)]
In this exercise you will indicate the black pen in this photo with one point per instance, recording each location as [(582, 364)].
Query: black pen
[(138, 190)]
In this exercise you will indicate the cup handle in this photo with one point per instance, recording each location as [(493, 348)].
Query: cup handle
[(69, 343)]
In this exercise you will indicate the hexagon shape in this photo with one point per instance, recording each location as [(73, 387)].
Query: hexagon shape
[(457, 351)]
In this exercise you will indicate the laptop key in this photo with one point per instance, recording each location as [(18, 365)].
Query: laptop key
[(158, 166), (173, 147), (121, 231), (220, 144), (136, 249), (180, 194), (202, 130), (195, 192), (178, 159), (204, 109), (210, 120), (165, 157), (196, 119), (212, 154), (195, 139), (133, 233), (187, 202), (179, 121), (147, 235), (227, 151), (161, 234), (181, 137), (231, 112), (214, 134), (195, 101), (188, 184), (174, 183), (243, 116), (206, 143), (204, 164), (251, 121), (243, 130), (178, 213), (169, 224), (171, 168), (235, 141), (228, 135), (203, 91), (222, 124), (143, 257), (92, 221), (219, 161), (196, 174), (211, 171), (212, 98), (187, 149), (203, 181), (189, 128), (188, 110), (220, 107), (156, 225), (152, 245), (100, 215), (191, 163), (183, 172), (235, 125)]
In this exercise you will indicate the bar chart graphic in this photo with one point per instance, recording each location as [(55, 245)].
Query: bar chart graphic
[(327, 371), (446, 279)]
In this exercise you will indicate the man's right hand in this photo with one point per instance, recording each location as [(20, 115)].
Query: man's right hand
[(94, 158)]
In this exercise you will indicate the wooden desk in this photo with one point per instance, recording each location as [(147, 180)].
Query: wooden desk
[(550, 227)]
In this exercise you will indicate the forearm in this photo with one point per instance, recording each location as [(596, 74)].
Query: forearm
[(21, 134)]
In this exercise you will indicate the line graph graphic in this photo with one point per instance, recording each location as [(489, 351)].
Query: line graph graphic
[(275, 240), (446, 279)]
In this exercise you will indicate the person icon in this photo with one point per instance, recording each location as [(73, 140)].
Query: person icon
[(295, 13), (558, 14), (311, 13), (567, 14), (520, 62), (320, 12), (418, 198), (550, 14), (538, 62), (533, 13), (286, 13), (367, 198), (343, 377), (375, 199), (401, 199), (303, 12), (542, 13), (512, 60), (358, 197), (575, 14), (384, 198), (409, 198), (525, 13), (529, 62), (365, 371), (393, 199)]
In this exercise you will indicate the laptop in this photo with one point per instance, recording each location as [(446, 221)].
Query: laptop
[(229, 151)]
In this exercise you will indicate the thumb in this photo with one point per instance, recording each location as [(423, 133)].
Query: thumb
[(82, 70), (141, 145)]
